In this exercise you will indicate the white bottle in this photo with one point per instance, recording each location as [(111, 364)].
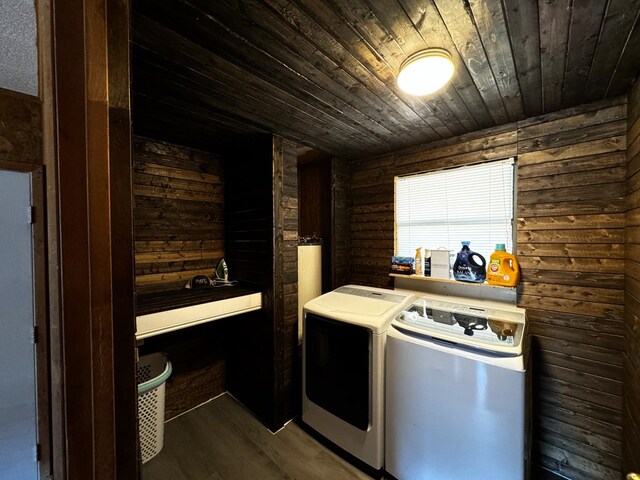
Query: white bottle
[(418, 261)]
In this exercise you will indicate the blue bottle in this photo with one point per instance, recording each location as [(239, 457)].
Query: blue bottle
[(469, 266)]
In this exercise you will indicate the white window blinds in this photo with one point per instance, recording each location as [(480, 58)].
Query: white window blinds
[(446, 207)]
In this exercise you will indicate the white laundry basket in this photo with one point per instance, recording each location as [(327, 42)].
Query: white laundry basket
[(153, 372)]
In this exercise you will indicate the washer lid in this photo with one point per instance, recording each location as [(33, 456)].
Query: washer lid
[(488, 328), (367, 306)]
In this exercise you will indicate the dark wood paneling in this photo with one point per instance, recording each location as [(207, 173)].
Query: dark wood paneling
[(197, 355), (577, 334), (249, 254), (324, 74), (314, 193), (571, 242), (616, 28), (285, 254), (465, 36), (179, 214), (584, 33), (631, 431), (323, 186), (340, 233), (20, 128), (524, 29), (179, 232), (261, 224)]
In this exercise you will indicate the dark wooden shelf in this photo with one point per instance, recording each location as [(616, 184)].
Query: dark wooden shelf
[(422, 278)]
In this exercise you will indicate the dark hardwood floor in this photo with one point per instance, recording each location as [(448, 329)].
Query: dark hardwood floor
[(222, 440)]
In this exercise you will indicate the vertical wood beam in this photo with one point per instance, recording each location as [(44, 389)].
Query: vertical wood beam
[(122, 258), (93, 193), (285, 278)]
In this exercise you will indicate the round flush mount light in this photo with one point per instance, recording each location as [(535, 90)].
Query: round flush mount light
[(425, 71)]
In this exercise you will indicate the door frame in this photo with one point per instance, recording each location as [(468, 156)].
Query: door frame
[(84, 87)]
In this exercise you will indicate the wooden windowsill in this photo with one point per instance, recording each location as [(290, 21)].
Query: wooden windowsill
[(446, 286), (422, 278)]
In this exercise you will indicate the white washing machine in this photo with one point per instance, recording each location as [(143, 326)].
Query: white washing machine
[(343, 367), (457, 391)]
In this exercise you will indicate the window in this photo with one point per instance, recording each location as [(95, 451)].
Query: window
[(445, 207)]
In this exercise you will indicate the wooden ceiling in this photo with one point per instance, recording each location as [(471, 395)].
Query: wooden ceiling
[(322, 72)]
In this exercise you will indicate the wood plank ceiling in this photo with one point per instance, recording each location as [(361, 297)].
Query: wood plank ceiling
[(322, 72)]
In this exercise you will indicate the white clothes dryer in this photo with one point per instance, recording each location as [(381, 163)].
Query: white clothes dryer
[(343, 367)]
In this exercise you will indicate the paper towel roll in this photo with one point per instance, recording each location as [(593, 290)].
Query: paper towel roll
[(309, 278)]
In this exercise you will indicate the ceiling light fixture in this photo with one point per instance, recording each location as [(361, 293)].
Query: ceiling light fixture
[(425, 71)]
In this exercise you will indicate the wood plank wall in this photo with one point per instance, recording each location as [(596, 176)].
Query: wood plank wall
[(631, 429), (570, 238), (261, 238), (20, 128), (285, 254), (340, 222), (198, 357), (571, 204), (179, 232), (323, 189), (314, 192), (178, 213)]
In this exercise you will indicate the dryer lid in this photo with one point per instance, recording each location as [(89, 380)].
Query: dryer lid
[(367, 306)]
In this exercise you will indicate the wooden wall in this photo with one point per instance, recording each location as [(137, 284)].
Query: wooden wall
[(261, 214), (341, 222), (178, 212), (249, 253), (20, 128), (570, 243), (198, 358), (631, 430), (179, 233), (285, 253), (314, 192), (570, 239), (323, 189)]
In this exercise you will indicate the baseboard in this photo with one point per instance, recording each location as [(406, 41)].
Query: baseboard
[(540, 473)]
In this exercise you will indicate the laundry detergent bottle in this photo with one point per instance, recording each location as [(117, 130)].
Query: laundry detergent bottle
[(469, 266), (503, 268)]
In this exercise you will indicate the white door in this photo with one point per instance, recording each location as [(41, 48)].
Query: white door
[(18, 433)]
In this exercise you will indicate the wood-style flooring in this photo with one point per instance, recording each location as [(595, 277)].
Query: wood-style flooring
[(222, 440)]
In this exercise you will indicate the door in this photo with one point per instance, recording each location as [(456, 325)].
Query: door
[(337, 368), (18, 417)]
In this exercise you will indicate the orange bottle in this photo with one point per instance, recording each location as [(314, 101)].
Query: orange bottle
[(503, 268)]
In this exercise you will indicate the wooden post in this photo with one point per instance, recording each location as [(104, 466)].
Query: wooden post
[(94, 353)]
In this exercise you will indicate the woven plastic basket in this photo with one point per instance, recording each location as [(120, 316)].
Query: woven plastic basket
[(153, 372)]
